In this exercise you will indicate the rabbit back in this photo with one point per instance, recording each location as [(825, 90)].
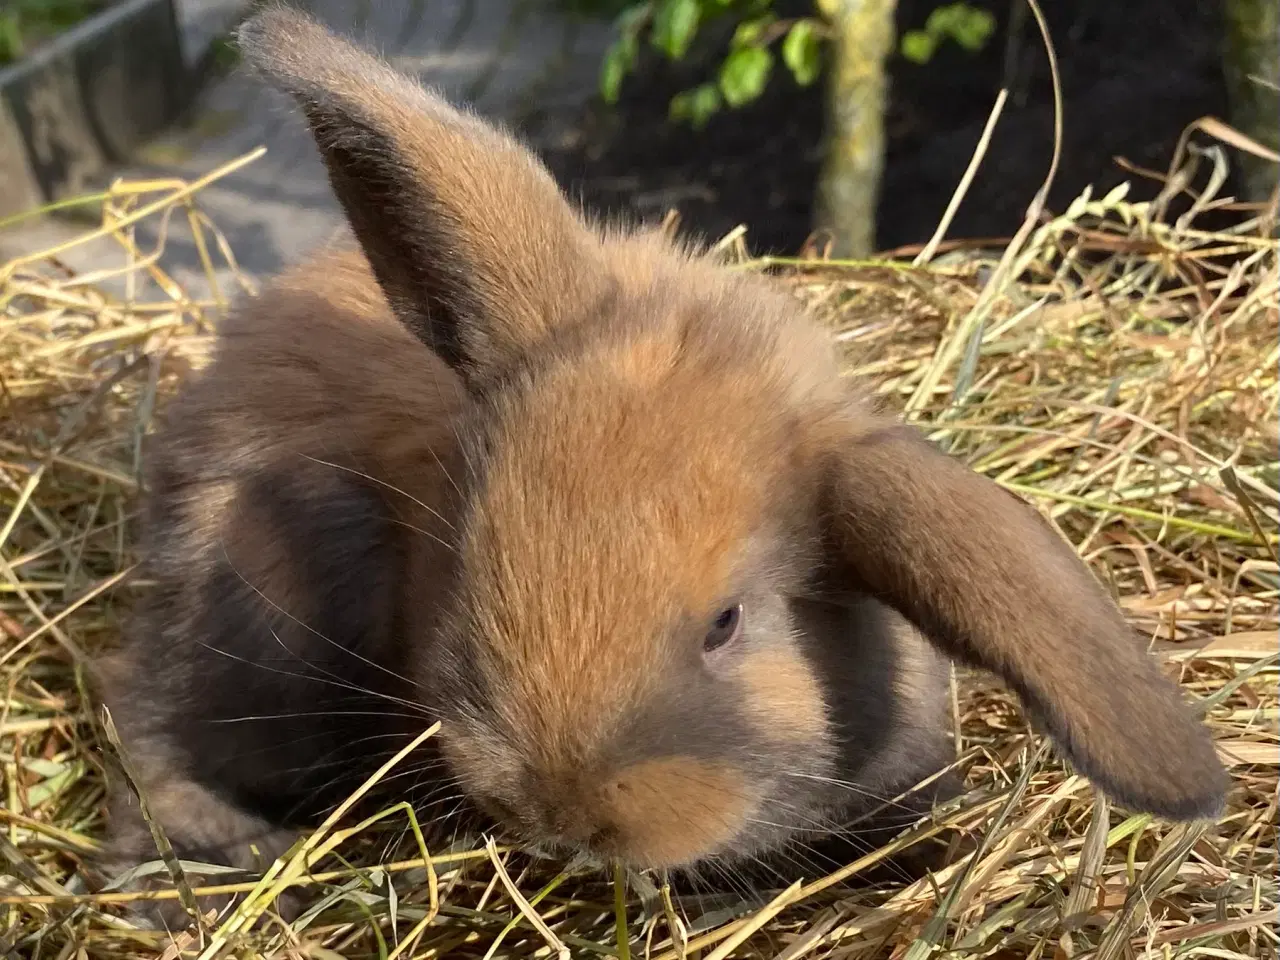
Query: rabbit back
[(284, 489)]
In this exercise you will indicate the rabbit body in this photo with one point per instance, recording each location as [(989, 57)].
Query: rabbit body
[(674, 589), (269, 672), (263, 671)]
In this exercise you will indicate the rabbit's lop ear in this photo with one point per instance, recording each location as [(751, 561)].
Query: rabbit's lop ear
[(468, 234), (989, 582)]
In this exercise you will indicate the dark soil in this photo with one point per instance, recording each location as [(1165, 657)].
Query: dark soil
[(1134, 73)]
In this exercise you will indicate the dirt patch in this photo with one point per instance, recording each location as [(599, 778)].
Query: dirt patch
[(1134, 75)]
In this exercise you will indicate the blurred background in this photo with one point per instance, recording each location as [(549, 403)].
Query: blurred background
[(1115, 366), (728, 112)]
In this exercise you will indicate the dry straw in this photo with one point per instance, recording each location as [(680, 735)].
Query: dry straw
[(1116, 366)]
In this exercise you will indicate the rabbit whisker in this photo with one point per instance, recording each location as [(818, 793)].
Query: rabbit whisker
[(331, 682), (852, 788), (418, 530), (382, 483), (305, 626), (319, 713)]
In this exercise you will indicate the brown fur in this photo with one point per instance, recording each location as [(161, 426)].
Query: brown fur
[(671, 805), (787, 696), (1045, 626), (503, 469)]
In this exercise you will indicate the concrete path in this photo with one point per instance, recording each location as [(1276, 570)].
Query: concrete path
[(515, 60)]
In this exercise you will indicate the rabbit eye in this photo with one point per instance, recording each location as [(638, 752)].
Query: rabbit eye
[(725, 627)]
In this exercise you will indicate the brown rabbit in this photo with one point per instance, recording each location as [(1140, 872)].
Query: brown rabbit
[(606, 510)]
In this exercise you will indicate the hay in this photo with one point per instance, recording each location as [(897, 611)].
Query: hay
[(1125, 384)]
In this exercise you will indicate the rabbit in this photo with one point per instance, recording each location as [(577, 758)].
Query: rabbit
[(676, 591)]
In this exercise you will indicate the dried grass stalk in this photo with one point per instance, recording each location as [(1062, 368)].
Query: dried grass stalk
[(1122, 376)]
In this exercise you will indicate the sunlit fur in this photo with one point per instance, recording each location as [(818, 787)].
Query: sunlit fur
[(492, 466)]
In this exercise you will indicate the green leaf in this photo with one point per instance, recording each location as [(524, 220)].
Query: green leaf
[(744, 74), (802, 51), (748, 31), (940, 20), (50, 787), (696, 106), (968, 26), (630, 20), (973, 31), (617, 63), (10, 38), (674, 26), (918, 46)]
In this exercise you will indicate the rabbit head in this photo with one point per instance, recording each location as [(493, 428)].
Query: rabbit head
[(663, 465)]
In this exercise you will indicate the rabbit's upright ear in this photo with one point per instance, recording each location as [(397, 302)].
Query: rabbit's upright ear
[(989, 582), (469, 236)]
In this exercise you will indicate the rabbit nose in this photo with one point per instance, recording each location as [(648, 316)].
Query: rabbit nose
[(554, 823)]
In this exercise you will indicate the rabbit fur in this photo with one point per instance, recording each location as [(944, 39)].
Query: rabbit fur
[(494, 466)]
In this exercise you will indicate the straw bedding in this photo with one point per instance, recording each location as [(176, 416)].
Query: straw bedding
[(1116, 366)]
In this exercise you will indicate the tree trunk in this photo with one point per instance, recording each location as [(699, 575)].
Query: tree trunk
[(1251, 63), (849, 184)]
